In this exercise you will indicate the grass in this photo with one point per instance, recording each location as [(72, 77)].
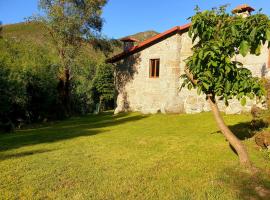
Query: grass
[(129, 156)]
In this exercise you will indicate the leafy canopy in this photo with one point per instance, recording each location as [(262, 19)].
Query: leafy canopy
[(103, 83), (218, 37), (70, 23)]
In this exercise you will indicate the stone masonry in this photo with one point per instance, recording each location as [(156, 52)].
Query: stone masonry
[(138, 92)]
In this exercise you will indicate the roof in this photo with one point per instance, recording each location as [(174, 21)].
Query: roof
[(243, 8), (129, 39), (149, 42)]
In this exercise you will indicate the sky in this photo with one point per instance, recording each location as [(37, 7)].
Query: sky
[(126, 17)]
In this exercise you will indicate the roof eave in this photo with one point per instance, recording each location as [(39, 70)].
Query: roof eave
[(149, 42)]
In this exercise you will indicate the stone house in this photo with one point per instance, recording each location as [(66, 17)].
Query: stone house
[(148, 74)]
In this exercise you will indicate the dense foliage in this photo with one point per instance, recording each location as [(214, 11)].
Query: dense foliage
[(218, 38), (103, 86), (69, 24), (29, 81)]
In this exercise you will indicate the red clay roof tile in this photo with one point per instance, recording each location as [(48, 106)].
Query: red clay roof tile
[(148, 42), (129, 39), (243, 7)]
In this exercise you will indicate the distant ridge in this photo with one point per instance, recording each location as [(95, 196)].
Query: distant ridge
[(141, 36), (30, 31)]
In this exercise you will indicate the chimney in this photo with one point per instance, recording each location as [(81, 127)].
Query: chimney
[(128, 43), (243, 10)]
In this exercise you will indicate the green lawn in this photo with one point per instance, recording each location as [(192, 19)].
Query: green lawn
[(129, 156)]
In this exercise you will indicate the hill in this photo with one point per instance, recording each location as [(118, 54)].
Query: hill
[(34, 32), (141, 36), (25, 31)]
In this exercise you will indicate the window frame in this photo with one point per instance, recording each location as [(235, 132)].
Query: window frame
[(155, 66)]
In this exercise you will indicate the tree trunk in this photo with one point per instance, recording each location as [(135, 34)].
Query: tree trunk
[(99, 107), (233, 140), (67, 91)]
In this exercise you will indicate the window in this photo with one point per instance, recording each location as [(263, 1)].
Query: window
[(154, 68)]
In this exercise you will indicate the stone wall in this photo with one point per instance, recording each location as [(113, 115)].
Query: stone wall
[(256, 64), (195, 104), (138, 92)]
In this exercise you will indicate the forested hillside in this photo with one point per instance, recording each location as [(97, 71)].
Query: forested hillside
[(30, 75), (30, 79), (141, 36), (35, 33)]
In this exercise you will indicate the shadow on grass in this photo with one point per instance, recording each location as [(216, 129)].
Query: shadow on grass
[(243, 130), (23, 154), (248, 185), (72, 128)]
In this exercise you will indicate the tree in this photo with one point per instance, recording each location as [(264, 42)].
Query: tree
[(70, 23), (103, 84), (218, 37), (27, 82)]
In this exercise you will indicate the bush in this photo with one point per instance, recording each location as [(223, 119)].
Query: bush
[(27, 83), (260, 118), (103, 87), (262, 139)]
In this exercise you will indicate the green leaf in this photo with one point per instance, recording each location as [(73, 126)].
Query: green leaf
[(205, 85), (209, 74), (214, 63), (268, 34), (201, 54), (244, 48), (189, 86), (199, 90), (253, 34), (227, 60), (227, 68), (190, 33), (227, 86), (258, 50), (251, 95), (243, 101), (234, 32)]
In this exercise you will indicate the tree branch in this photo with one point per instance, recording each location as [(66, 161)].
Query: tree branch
[(190, 76)]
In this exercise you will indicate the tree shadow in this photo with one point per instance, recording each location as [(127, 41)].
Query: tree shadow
[(243, 130), (76, 127), (23, 154), (124, 73), (248, 185)]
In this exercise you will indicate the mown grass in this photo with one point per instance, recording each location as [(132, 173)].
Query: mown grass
[(130, 156)]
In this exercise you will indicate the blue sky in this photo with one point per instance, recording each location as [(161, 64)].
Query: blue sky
[(125, 17)]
